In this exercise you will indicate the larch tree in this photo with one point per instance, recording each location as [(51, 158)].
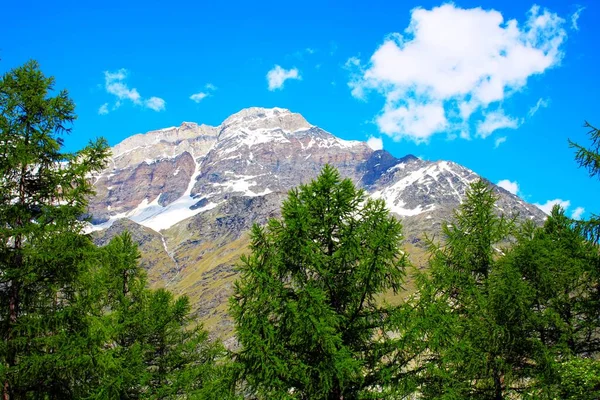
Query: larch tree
[(43, 194), (149, 347), (471, 312), (559, 269), (306, 311), (589, 158)]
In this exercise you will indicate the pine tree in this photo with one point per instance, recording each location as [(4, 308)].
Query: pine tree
[(305, 308), (43, 193), (560, 269), (471, 311), (499, 322), (149, 350), (589, 158)]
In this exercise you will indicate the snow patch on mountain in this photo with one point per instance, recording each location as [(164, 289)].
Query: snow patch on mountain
[(242, 184)]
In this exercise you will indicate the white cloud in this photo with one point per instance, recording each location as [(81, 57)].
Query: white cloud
[(277, 76), (499, 141), (416, 120), (103, 110), (310, 50), (456, 63), (375, 143), (197, 97), (575, 18), (577, 213), (541, 103), (493, 121), (547, 206), (114, 83), (512, 187), (155, 103)]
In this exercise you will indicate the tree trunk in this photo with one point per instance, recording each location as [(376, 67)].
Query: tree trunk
[(497, 385), (15, 285)]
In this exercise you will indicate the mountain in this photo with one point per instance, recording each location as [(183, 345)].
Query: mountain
[(189, 194)]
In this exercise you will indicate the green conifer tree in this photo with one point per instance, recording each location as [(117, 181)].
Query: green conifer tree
[(560, 270), (43, 193), (305, 308), (589, 158), (149, 348), (470, 310)]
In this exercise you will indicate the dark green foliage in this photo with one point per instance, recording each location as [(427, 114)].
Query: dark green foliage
[(560, 270), (305, 307), (43, 192), (470, 310), (579, 379), (589, 158), (77, 322), (149, 350), (499, 325)]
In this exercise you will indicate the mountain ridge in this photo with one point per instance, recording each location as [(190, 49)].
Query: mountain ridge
[(191, 193)]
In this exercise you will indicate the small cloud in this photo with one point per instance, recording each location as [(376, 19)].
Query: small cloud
[(375, 143), (277, 76), (198, 97), (352, 62), (547, 206), (493, 121), (155, 103), (310, 50), (499, 141), (577, 213), (512, 187), (114, 83), (541, 103), (575, 18), (103, 110)]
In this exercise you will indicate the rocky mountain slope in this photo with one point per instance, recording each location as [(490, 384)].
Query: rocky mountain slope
[(190, 193)]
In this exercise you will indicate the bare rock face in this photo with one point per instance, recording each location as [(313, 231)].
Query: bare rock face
[(192, 192)]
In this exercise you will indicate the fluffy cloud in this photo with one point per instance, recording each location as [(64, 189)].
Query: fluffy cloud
[(277, 77), (541, 103), (577, 213), (375, 143), (155, 103), (453, 64), (209, 89), (510, 186), (547, 206), (575, 18), (114, 83)]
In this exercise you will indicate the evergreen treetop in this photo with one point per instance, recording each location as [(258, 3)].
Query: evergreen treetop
[(305, 307)]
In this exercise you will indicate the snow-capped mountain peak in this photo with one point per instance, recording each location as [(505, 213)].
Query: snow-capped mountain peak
[(160, 178)]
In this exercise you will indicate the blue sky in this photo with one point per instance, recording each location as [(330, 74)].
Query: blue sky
[(498, 86)]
